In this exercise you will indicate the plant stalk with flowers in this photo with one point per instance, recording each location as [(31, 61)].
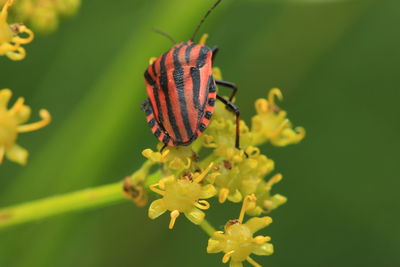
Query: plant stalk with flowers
[(184, 177)]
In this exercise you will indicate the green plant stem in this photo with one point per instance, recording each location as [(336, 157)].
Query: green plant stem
[(84, 199), (80, 200), (207, 227), (48, 207)]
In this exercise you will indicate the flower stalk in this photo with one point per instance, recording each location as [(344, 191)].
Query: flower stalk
[(48, 207), (90, 198)]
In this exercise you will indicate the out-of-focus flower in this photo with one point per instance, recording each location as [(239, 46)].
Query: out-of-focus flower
[(183, 195), (13, 36), (11, 124), (237, 241), (44, 15), (271, 125)]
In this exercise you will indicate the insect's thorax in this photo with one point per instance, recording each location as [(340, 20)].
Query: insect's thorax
[(178, 85)]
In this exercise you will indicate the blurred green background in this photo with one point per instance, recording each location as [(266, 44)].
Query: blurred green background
[(337, 63)]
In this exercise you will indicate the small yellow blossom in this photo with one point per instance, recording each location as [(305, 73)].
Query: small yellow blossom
[(270, 123), (11, 124), (44, 15), (185, 195), (13, 36), (175, 158), (242, 178), (265, 201), (221, 133), (237, 240)]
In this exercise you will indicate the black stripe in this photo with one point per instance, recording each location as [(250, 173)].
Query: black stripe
[(180, 86), (187, 52), (157, 133), (201, 60), (164, 87), (153, 67), (146, 107), (208, 115), (195, 73), (211, 85), (202, 127), (165, 139), (152, 122), (150, 81)]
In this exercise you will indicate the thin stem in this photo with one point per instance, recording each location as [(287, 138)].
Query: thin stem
[(48, 207), (84, 199), (207, 227)]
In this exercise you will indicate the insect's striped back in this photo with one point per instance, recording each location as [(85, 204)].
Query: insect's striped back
[(178, 85)]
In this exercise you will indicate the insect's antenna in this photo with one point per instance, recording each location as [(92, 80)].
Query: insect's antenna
[(169, 37), (203, 19)]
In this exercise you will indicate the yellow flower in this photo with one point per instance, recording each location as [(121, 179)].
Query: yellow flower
[(185, 195), (11, 124), (10, 36), (44, 15), (242, 178), (237, 240), (265, 201), (175, 158), (270, 123), (221, 133)]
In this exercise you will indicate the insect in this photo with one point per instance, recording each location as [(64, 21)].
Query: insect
[(181, 92)]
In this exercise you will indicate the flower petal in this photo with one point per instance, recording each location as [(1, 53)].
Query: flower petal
[(208, 191), (17, 154), (255, 224), (195, 215), (264, 249), (23, 114), (235, 264), (214, 246), (235, 197), (5, 95), (156, 208)]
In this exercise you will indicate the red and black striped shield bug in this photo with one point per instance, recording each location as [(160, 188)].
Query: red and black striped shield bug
[(181, 92)]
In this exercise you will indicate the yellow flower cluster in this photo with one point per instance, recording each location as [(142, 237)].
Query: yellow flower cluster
[(237, 240), (271, 125), (212, 167), (232, 174), (44, 15), (13, 36), (11, 124)]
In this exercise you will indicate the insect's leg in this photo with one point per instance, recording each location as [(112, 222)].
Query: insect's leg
[(162, 149), (230, 85), (233, 108), (214, 51)]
